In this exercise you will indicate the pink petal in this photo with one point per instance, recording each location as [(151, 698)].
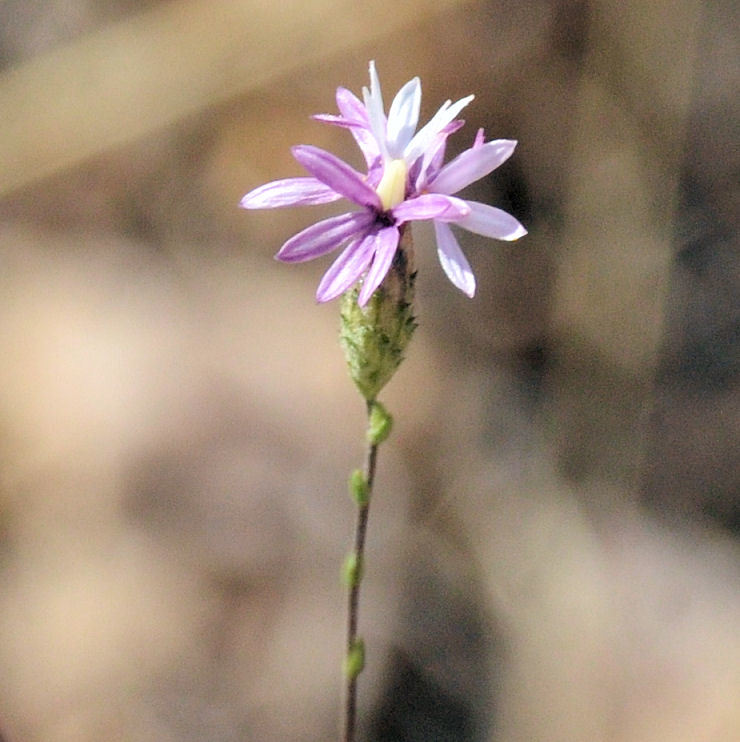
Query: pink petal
[(471, 165), (337, 174), (432, 160), (351, 107), (431, 206), (386, 242), (289, 192), (360, 132), (324, 236), (346, 269), (334, 120)]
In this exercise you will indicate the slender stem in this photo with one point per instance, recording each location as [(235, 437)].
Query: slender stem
[(353, 602)]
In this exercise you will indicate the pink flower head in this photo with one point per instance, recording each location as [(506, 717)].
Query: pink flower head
[(406, 181)]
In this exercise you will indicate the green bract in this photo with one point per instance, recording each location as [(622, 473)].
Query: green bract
[(375, 337)]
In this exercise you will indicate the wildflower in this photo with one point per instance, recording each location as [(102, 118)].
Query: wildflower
[(406, 181)]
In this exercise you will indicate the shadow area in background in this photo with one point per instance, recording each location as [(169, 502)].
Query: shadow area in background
[(691, 467)]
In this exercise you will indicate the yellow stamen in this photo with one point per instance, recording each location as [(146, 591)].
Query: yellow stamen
[(392, 186)]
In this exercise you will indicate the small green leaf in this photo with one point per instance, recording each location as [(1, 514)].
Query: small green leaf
[(352, 570), (354, 662), (358, 488), (379, 424)]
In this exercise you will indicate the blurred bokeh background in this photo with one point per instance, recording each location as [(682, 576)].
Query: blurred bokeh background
[(553, 548)]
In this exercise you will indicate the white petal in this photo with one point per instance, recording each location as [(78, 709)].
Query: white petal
[(403, 117), (425, 136), (374, 104), (375, 85), (452, 260), (491, 222)]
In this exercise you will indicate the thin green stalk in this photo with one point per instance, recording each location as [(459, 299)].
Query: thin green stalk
[(361, 487)]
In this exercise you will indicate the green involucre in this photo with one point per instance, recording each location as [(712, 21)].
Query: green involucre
[(375, 337)]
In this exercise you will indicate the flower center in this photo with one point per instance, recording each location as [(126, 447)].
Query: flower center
[(392, 186)]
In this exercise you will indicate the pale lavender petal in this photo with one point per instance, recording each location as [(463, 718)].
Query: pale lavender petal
[(334, 120), (436, 151), (289, 192), (367, 144), (452, 260), (431, 206), (403, 117), (346, 269), (351, 111), (360, 132), (351, 107), (354, 117), (480, 138), (491, 222), (425, 136), (337, 174), (471, 165), (386, 242), (324, 236)]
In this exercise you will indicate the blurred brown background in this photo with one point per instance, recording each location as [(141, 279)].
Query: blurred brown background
[(553, 547)]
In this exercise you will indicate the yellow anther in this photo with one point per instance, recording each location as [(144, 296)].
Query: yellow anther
[(392, 186)]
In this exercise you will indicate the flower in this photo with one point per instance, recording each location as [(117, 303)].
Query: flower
[(405, 181)]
